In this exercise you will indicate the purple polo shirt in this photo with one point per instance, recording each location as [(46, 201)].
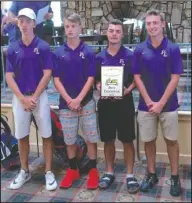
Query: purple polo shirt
[(123, 58), (28, 63), (73, 67), (155, 65)]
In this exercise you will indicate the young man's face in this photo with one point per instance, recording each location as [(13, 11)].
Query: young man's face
[(114, 34), (72, 29), (154, 25), (26, 25)]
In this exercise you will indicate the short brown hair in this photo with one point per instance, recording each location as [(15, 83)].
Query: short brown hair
[(73, 17), (155, 13), (116, 22)]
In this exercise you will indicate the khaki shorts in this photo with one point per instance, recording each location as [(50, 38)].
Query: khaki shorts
[(41, 113), (86, 119), (148, 125)]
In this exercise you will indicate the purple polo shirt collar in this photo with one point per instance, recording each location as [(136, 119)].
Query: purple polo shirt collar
[(161, 46), (34, 42), (117, 55), (79, 47)]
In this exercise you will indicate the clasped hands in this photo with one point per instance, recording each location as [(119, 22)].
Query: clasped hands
[(155, 108)]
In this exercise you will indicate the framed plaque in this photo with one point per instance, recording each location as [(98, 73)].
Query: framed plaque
[(112, 81)]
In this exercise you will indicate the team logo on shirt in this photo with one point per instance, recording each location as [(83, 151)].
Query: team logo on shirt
[(121, 61), (36, 50), (164, 53), (81, 54)]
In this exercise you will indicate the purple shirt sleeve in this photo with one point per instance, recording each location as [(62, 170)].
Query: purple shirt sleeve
[(136, 63), (10, 65), (47, 58), (176, 61), (14, 8)]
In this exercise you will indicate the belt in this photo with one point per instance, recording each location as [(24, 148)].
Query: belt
[(28, 93)]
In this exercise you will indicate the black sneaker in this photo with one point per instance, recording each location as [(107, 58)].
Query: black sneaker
[(148, 182), (175, 189), (132, 185)]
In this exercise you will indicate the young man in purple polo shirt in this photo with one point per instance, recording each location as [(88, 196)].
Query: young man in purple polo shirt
[(157, 66), (29, 67), (74, 78), (116, 115)]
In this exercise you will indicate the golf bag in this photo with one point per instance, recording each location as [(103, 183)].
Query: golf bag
[(60, 147), (9, 144)]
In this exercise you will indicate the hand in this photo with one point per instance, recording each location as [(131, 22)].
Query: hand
[(126, 91), (149, 104), (29, 103), (156, 108), (98, 86), (75, 105)]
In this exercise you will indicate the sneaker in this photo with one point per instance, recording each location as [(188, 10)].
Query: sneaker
[(21, 178), (51, 183), (70, 176), (132, 185), (148, 182), (93, 179), (175, 189)]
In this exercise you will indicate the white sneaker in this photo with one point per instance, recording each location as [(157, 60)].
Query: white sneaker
[(21, 178), (51, 183)]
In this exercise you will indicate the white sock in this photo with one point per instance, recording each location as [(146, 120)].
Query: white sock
[(130, 176)]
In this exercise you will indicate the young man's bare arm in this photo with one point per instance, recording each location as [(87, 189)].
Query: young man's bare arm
[(12, 18), (141, 87), (13, 85), (86, 88), (75, 104), (170, 88), (130, 88), (60, 88), (43, 83), (26, 101)]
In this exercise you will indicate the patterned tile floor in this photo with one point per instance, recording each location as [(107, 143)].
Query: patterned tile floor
[(34, 190)]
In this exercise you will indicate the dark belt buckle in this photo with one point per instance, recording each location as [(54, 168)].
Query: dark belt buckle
[(29, 94)]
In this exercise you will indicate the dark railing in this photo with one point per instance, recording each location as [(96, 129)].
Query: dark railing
[(184, 87)]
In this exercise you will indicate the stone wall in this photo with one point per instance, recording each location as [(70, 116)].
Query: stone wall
[(96, 14)]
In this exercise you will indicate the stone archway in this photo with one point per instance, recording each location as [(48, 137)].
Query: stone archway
[(96, 14)]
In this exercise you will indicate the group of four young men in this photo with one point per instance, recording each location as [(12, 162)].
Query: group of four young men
[(155, 67)]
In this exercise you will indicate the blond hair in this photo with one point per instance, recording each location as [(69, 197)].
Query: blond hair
[(73, 17), (155, 13)]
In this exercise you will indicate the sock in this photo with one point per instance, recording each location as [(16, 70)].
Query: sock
[(175, 177), (73, 163), (130, 176), (92, 163)]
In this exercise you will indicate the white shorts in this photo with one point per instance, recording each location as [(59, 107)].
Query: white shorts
[(148, 125), (42, 116)]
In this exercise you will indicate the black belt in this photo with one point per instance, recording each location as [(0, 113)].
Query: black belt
[(29, 93)]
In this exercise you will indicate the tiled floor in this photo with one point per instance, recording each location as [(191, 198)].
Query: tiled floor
[(34, 190)]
